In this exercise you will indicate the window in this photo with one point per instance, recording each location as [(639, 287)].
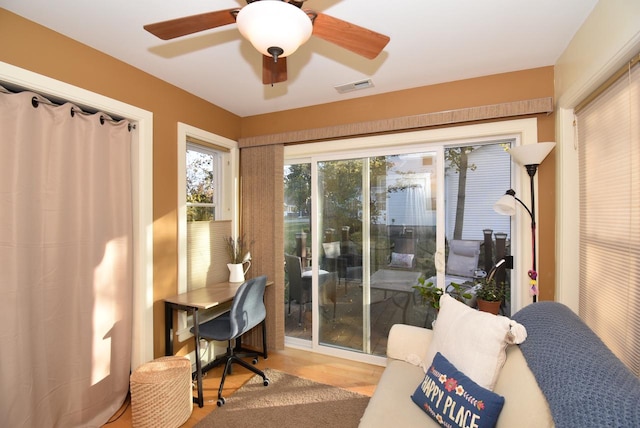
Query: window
[(376, 217), (207, 204), (609, 160), (203, 178)]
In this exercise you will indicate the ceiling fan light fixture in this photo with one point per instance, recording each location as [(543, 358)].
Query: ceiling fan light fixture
[(269, 24)]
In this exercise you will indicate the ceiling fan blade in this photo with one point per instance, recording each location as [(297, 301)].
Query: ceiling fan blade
[(273, 72), (173, 28), (357, 39)]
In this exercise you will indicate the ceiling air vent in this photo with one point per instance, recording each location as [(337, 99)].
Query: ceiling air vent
[(354, 86)]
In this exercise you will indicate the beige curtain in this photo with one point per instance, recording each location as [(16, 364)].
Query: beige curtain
[(65, 265)]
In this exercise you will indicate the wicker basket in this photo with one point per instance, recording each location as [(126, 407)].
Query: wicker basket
[(161, 393)]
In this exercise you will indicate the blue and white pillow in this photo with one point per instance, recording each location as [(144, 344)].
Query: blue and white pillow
[(452, 399)]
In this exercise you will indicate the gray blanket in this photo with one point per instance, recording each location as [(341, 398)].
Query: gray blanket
[(585, 384)]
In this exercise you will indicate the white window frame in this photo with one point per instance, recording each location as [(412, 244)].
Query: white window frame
[(228, 200), (522, 131)]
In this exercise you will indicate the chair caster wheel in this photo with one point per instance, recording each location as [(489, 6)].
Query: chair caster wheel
[(266, 382), (220, 402), (255, 361)]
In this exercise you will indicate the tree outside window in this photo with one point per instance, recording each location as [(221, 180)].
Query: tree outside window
[(202, 177)]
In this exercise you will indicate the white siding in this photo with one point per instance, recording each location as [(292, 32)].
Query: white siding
[(490, 180)]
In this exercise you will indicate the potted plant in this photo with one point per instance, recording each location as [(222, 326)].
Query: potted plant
[(431, 293), (490, 296)]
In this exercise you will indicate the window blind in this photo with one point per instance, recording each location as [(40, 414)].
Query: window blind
[(198, 142), (207, 254), (609, 176)]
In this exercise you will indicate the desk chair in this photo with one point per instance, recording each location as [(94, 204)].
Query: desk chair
[(247, 311)]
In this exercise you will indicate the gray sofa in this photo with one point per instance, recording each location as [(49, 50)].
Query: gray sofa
[(562, 375)]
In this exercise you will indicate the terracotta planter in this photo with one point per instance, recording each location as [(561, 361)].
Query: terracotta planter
[(491, 307)]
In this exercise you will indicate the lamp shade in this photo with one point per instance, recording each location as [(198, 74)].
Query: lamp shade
[(274, 24), (506, 205), (531, 154)]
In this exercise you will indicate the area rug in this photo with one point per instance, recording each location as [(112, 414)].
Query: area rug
[(288, 401)]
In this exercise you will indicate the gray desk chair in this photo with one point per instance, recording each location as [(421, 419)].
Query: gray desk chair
[(247, 311)]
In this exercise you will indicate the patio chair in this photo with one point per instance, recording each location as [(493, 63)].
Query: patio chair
[(300, 285), (462, 263), (343, 259)]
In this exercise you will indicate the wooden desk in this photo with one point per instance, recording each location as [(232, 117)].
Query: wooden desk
[(192, 302)]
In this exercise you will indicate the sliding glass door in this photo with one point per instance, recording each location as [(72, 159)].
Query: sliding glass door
[(297, 249), (377, 223), (365, 229), (343, 227)]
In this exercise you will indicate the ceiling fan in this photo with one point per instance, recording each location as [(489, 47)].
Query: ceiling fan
[(277, 28)]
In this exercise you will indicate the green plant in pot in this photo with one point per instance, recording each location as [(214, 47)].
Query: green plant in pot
[(490, 291), (431, 294), (490, 295)]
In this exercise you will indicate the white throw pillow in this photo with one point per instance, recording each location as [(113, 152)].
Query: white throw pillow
[(473, 341)]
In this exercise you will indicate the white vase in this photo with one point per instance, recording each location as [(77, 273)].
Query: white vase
[(237, 271)]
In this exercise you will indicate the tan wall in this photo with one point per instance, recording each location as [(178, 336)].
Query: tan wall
[(500, 88), (33, 47)]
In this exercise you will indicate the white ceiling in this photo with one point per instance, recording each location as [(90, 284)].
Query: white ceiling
[(432, 41)]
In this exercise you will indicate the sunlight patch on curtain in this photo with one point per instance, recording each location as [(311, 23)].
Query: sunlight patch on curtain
[(66, 263)]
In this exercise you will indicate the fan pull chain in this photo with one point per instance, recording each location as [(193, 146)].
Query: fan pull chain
[(275, 53)]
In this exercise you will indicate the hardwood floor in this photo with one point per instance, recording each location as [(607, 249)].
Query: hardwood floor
[(343, 330), (351, 375)]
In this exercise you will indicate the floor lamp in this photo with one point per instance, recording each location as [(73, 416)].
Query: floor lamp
[(530, 156)]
